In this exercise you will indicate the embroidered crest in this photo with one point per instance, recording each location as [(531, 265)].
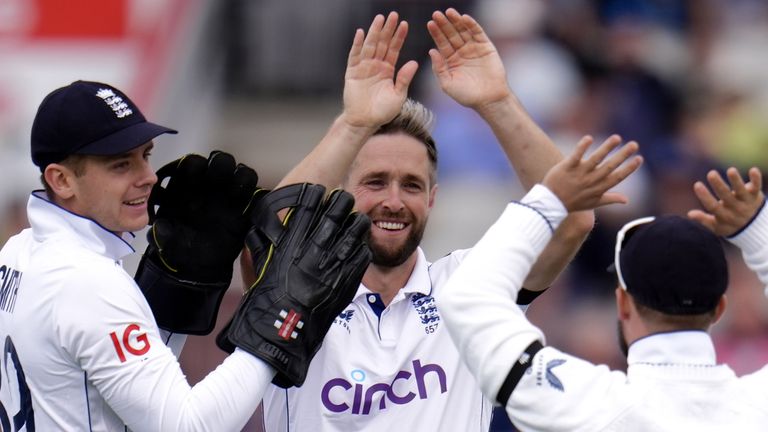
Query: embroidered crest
[(115, 102)]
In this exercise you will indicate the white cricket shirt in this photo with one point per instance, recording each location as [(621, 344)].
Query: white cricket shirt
[(673, 382), (384, 369), (82, 351)]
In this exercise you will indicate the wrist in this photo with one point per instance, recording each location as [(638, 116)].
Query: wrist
[(499, 108), (356, 126)]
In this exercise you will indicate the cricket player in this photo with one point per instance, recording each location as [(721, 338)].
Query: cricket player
[(82, 347), (672, 277), (387, 361)]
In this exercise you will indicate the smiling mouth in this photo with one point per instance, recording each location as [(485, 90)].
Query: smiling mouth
[(136, 202), (390, 226)]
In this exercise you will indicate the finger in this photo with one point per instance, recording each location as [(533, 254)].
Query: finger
[(405, 76), (602, 151), (720, 188), (458, 23), (441, 41), (372, 38), (474, 28), (447, 28), (737, 183), (396, 44), (609, 198), (622, 172), (438, 63), (581, 148), (357, 48), (703, 218), (385, 37), (705, 197), (756, 179), (618, 158)]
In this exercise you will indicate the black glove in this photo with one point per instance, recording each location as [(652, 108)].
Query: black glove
[(198, 230), (309, 268)]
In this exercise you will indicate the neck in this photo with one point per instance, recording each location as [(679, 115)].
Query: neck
[(387, 281)]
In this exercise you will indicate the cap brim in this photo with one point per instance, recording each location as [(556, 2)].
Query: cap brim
[(125, 139)]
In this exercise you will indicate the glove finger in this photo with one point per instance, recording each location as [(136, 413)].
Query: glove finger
[(221, 167), (354, 234), (335, 211), (243, 186), (169, 198), (261, 250), (182, 193)]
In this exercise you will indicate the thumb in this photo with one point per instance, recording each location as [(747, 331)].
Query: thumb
[(405, 76)]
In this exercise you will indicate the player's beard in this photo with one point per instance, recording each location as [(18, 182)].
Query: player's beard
[(394, 256), (623, 346)]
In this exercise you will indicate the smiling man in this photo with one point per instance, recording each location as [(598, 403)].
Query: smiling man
[(82, 348), (387, 362)]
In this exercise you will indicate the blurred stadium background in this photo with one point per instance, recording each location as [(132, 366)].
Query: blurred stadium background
[(263, 78)]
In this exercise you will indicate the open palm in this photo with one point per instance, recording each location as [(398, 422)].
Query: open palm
[(373, 95), (465, 61)]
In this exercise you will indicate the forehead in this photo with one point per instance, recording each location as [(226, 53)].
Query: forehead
[(392, 153)]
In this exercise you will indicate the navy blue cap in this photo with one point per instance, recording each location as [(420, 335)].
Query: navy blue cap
[(89, 118), (673, 265)]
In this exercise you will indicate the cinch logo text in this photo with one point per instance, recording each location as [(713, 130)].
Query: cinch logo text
[(336, 392)]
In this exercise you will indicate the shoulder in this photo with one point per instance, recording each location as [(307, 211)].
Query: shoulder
[(441, 269)]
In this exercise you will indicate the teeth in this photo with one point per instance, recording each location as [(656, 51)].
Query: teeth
[(390, 225), (136, 201)]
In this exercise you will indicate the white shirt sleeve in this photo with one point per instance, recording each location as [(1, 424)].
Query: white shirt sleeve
[(478, 302), (753, 242), (121, 351)]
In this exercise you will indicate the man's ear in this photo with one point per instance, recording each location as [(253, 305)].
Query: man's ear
[(720, 309), (622, 303), (60, 179), (432, 195)]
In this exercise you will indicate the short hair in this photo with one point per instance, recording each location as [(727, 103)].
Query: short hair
[(75, 162), (672, 322), (416, 121)]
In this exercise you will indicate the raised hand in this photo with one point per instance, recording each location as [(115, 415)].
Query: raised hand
[(465, 61), (373, 94), (730, 208), (583, 184)]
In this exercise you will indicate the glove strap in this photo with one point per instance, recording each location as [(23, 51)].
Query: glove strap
[(180, 306)]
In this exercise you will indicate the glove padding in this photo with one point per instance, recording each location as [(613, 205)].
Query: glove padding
[(309, 268), (198, 230)]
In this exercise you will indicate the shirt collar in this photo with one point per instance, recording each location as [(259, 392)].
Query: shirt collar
[(418, 282), (690, 347), (50, 221)]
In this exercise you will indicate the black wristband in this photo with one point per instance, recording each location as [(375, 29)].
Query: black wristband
[(517, 371)]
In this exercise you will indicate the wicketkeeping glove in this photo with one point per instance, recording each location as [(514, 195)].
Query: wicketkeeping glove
[(309, 267), (198, 230)]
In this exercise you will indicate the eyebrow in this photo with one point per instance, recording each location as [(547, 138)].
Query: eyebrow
[(125, 155)]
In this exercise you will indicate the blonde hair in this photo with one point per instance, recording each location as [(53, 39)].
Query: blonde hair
[(415, 120)]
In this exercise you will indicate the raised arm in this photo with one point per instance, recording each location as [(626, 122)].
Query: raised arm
[(736, 210), (478, 304), (374, 92), (470, 71)]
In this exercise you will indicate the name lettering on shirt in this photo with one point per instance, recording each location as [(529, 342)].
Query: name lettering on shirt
[(9, 287)]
